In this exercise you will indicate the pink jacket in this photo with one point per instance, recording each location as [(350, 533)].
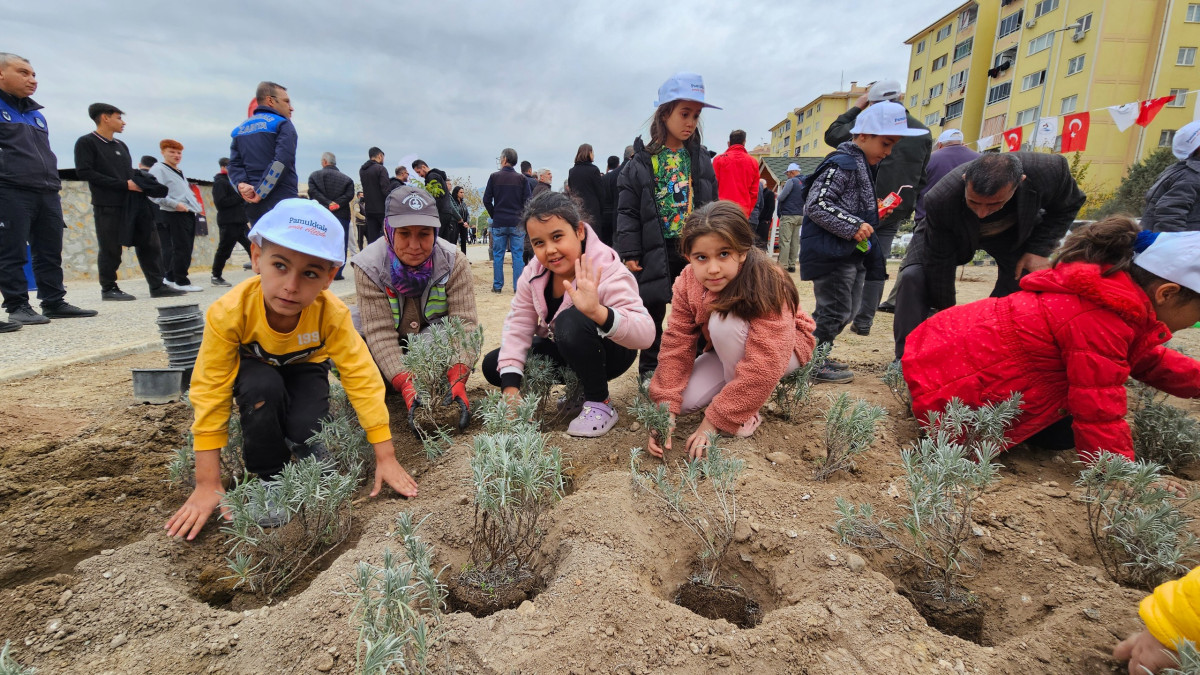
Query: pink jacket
[(770, 344), (632, 326)]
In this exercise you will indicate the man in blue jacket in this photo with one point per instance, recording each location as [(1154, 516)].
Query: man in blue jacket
[(267, 137), (30, 209), (504, 198)]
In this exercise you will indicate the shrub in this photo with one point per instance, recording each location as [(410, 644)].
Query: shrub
[(9, 665), (944, 474), (893, 379), (541, 376), (343, 436), (656, 417), (704, 498), (428, 358), (1162, 433), (795, 388), (1187, 659), (398, 606), (1137, 526), (498, 415), (849, 432)]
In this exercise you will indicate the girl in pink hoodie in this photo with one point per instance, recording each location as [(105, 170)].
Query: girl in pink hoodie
[(748, 311), (577, 304)]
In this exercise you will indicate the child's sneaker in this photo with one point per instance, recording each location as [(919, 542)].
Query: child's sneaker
[(275, 512), (747, 430), (595, 420)]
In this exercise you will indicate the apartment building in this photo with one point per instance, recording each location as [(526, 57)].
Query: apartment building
[(802, 132)]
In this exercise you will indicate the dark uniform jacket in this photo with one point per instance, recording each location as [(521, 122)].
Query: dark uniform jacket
[(26, 161)]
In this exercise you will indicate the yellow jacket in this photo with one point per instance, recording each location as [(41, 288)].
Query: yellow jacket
[(1172, 612), (236, 326)]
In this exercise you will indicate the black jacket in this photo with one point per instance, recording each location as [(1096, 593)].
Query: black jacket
[(638, 234), (905, 166), (375, 186), (766, 214), (608, 211), (139, 210), (107, 168), (588, 187), (438, 185), (1173, 202), (231, 208), (26, 161), (1047, 203), (328, 186)]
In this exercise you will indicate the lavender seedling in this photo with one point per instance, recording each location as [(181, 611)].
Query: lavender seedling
[(656, 417), (9, 665), (849, 432), (795, 388), (893, 379), (1187, 660), (428, 358), (1163, 433)]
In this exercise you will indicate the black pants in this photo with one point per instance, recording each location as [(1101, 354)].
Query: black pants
[(1057, 436), (462, 238), (34, 219), (578, 345), (869, 293), (180, 228), (648, 360), (834, 293), (280, 407), (110, 220), (343, 216), (374, 226), (360, 229), (232, 234)]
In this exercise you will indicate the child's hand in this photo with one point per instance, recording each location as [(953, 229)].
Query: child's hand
[(864, 232), (1171, 485), (586, 294), (388, 470), (633, 266), (658, 450), (698, 441), (191, 517), (1144, 653), (513, 394)]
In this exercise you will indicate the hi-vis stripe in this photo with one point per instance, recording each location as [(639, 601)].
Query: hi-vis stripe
[(436, 305)]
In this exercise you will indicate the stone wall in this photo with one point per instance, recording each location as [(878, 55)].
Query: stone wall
[(79, 240)]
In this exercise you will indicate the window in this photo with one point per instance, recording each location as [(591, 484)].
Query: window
[(1005, 58), (818, 107), (797, 152), (958, 80), (806, 147), (1075, 65), (967, 16), (799, 135), (787, 140), (916, 74), (810, 113), (1027, 116), (954, 110), (963, 49), (1033, 80), (1193, 14), (787, 126), (1041, 43), (1010, 23), (1044, 7), (912, 101), (1085, 23), (1180, 95), (936, 91), (999, 92), (1186, 57), (932, 118), (1165, 138), (1068, 104), (944, 32), (920, 46), (939, 63)]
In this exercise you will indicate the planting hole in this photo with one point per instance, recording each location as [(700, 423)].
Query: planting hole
[(482, 593), (720, 602)]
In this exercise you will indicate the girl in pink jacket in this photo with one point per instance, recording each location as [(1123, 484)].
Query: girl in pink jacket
[(749, 313), (577, 304)]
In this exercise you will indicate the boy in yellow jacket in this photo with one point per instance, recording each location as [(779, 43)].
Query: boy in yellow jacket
[(1172, 615), (267, 344)]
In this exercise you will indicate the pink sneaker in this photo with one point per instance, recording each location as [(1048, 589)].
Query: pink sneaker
[(595, 420), (747, 430)]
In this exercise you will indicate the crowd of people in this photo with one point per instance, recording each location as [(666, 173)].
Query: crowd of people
[(1073, 314)]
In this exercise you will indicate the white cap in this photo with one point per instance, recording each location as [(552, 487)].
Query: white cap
[(683, 87), (1187, 140), (793, 167), (885, 90), (885, 119), (1174, 256), (303, 226), (950, 136)]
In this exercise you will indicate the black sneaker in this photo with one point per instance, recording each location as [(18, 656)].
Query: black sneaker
[(25, 316), (791, 268), (218, 281), (65, 310), (833, 375), (886, 307), (497, 290), (836, 365), (115, 293), (860, 331), (166, 291), (8, 326)]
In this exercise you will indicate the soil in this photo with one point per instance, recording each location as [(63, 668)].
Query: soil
[(90, 583)]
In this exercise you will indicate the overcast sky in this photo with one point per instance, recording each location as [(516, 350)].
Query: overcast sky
[(451, 82)]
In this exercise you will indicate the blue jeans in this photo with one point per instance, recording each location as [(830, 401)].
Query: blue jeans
[(506, 239)]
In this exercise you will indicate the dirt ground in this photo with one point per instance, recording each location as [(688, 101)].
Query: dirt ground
[(90, 583)]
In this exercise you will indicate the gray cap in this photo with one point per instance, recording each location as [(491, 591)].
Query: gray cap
[(409, 206)]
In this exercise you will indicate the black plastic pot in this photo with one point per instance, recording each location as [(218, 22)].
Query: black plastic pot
[(157, 385)]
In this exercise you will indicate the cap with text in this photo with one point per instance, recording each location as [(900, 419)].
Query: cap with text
[(409, 206), (885, 119), (683, 87), (303, 226)]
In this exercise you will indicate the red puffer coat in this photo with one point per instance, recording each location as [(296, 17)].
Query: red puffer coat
[(1068, 342)]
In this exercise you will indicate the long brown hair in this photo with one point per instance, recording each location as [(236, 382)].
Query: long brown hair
[(658, 129), (761, 288), (584, 153), (1111, 242)]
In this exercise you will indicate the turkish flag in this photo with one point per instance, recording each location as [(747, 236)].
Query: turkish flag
[(1148, 109), (1012, 139), (1075, 132)]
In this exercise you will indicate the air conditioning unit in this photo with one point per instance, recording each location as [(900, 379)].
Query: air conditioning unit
[(1077, 36), (926, 101), (1031, 23)]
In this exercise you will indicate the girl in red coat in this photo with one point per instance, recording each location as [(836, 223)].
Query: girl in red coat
[(748, 311), (1070, 339)]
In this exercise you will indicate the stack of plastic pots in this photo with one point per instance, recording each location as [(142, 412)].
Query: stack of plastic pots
[(181, 328)]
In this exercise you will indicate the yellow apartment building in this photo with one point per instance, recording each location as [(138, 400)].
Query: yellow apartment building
[(802, 132)]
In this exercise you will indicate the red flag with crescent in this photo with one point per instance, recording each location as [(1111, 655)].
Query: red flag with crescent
[(1147, 110), (1012, 139), (1075, 132)]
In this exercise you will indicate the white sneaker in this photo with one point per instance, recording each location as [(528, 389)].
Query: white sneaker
[(190, 288), (169, 284)]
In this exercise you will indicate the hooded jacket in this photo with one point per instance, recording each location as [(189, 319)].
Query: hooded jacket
[(638, 234), (267, 137), (737, 177), (376, 184), (1067, 341), (840, 200), (26, 161), (231, 208), (632, 326), (1173, 202), (587, 185)]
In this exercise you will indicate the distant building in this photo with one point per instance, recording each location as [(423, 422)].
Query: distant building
[(802, 132)]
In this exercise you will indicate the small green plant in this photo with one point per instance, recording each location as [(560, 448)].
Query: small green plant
[(398, 606), (794, 390), (1163, 433), (342, 435), (703, 497), (945, 473), (656, 417), (435, 443), (499, 415), (181, 468), (893, 379), (9, 665), (1187, 660), (429, 358), (542, 375), (849, 432), (1136, 524)]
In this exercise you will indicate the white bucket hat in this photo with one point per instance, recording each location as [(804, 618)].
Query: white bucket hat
[(683, 87), (793, 167), (885, 119), (1187, 140), (304, 226), (1174, 256)]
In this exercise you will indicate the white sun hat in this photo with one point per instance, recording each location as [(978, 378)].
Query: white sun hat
[(885, 119), (1187, 140), (303, 226), (1174, 256), (793, 167)]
